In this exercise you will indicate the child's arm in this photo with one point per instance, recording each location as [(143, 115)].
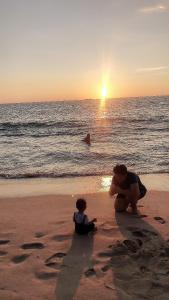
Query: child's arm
[(93, 220)]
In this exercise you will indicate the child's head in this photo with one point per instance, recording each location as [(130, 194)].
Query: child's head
[(81, 204)]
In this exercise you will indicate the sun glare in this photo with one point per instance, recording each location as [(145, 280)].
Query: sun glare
[(104, 92)]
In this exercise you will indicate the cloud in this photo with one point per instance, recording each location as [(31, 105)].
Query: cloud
[(152, 69), (153, 9)]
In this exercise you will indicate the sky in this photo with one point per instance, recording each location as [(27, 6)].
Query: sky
[(72, 49)]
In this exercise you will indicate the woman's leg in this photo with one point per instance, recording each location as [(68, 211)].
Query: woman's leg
[(121, 203)]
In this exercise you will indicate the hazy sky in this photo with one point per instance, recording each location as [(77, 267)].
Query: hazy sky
[(66, 49)]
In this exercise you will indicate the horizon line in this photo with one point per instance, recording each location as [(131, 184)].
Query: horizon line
[(84, 99)]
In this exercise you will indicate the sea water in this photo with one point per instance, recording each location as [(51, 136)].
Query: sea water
[(45, 139)]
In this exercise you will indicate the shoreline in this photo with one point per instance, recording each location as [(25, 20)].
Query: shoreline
[(72, 186)]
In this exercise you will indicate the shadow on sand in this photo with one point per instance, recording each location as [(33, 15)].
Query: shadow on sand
[(74, 264), (140, 263)]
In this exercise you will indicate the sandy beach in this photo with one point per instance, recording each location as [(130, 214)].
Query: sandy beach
[(42, 258)]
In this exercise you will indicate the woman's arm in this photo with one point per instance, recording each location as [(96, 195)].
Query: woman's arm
[(113, 189)]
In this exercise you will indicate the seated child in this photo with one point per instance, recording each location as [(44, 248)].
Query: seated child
[(82, 224)]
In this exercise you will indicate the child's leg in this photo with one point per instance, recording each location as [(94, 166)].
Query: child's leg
[(90, 227)]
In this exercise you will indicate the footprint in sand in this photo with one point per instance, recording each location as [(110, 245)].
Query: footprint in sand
[(90, 272), (2, 253), (56, 255), (133, 245), (136, 231), (46, 275), (114, 250), (61, 237), (109, 253), (159, 219), (39, 234), (54, 260), (20, 258), (106, 268), (4, 242), (53, 265), (139, 233), (122, 248), (149, 232), (32, 246), (107, 228), (144, 269)]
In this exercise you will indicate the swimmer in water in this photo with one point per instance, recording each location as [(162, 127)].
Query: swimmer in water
[(87, 139)]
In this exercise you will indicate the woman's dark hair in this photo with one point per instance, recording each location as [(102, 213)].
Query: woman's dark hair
[(120, 169), (80, 204)]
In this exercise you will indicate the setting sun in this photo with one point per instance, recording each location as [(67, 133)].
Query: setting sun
[(104, 92)]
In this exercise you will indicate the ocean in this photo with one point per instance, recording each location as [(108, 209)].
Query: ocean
[(45, 139)]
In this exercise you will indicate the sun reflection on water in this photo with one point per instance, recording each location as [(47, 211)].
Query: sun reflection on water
[(105, 183)]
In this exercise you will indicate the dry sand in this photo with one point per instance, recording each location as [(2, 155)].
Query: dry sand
[(41, 258)]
